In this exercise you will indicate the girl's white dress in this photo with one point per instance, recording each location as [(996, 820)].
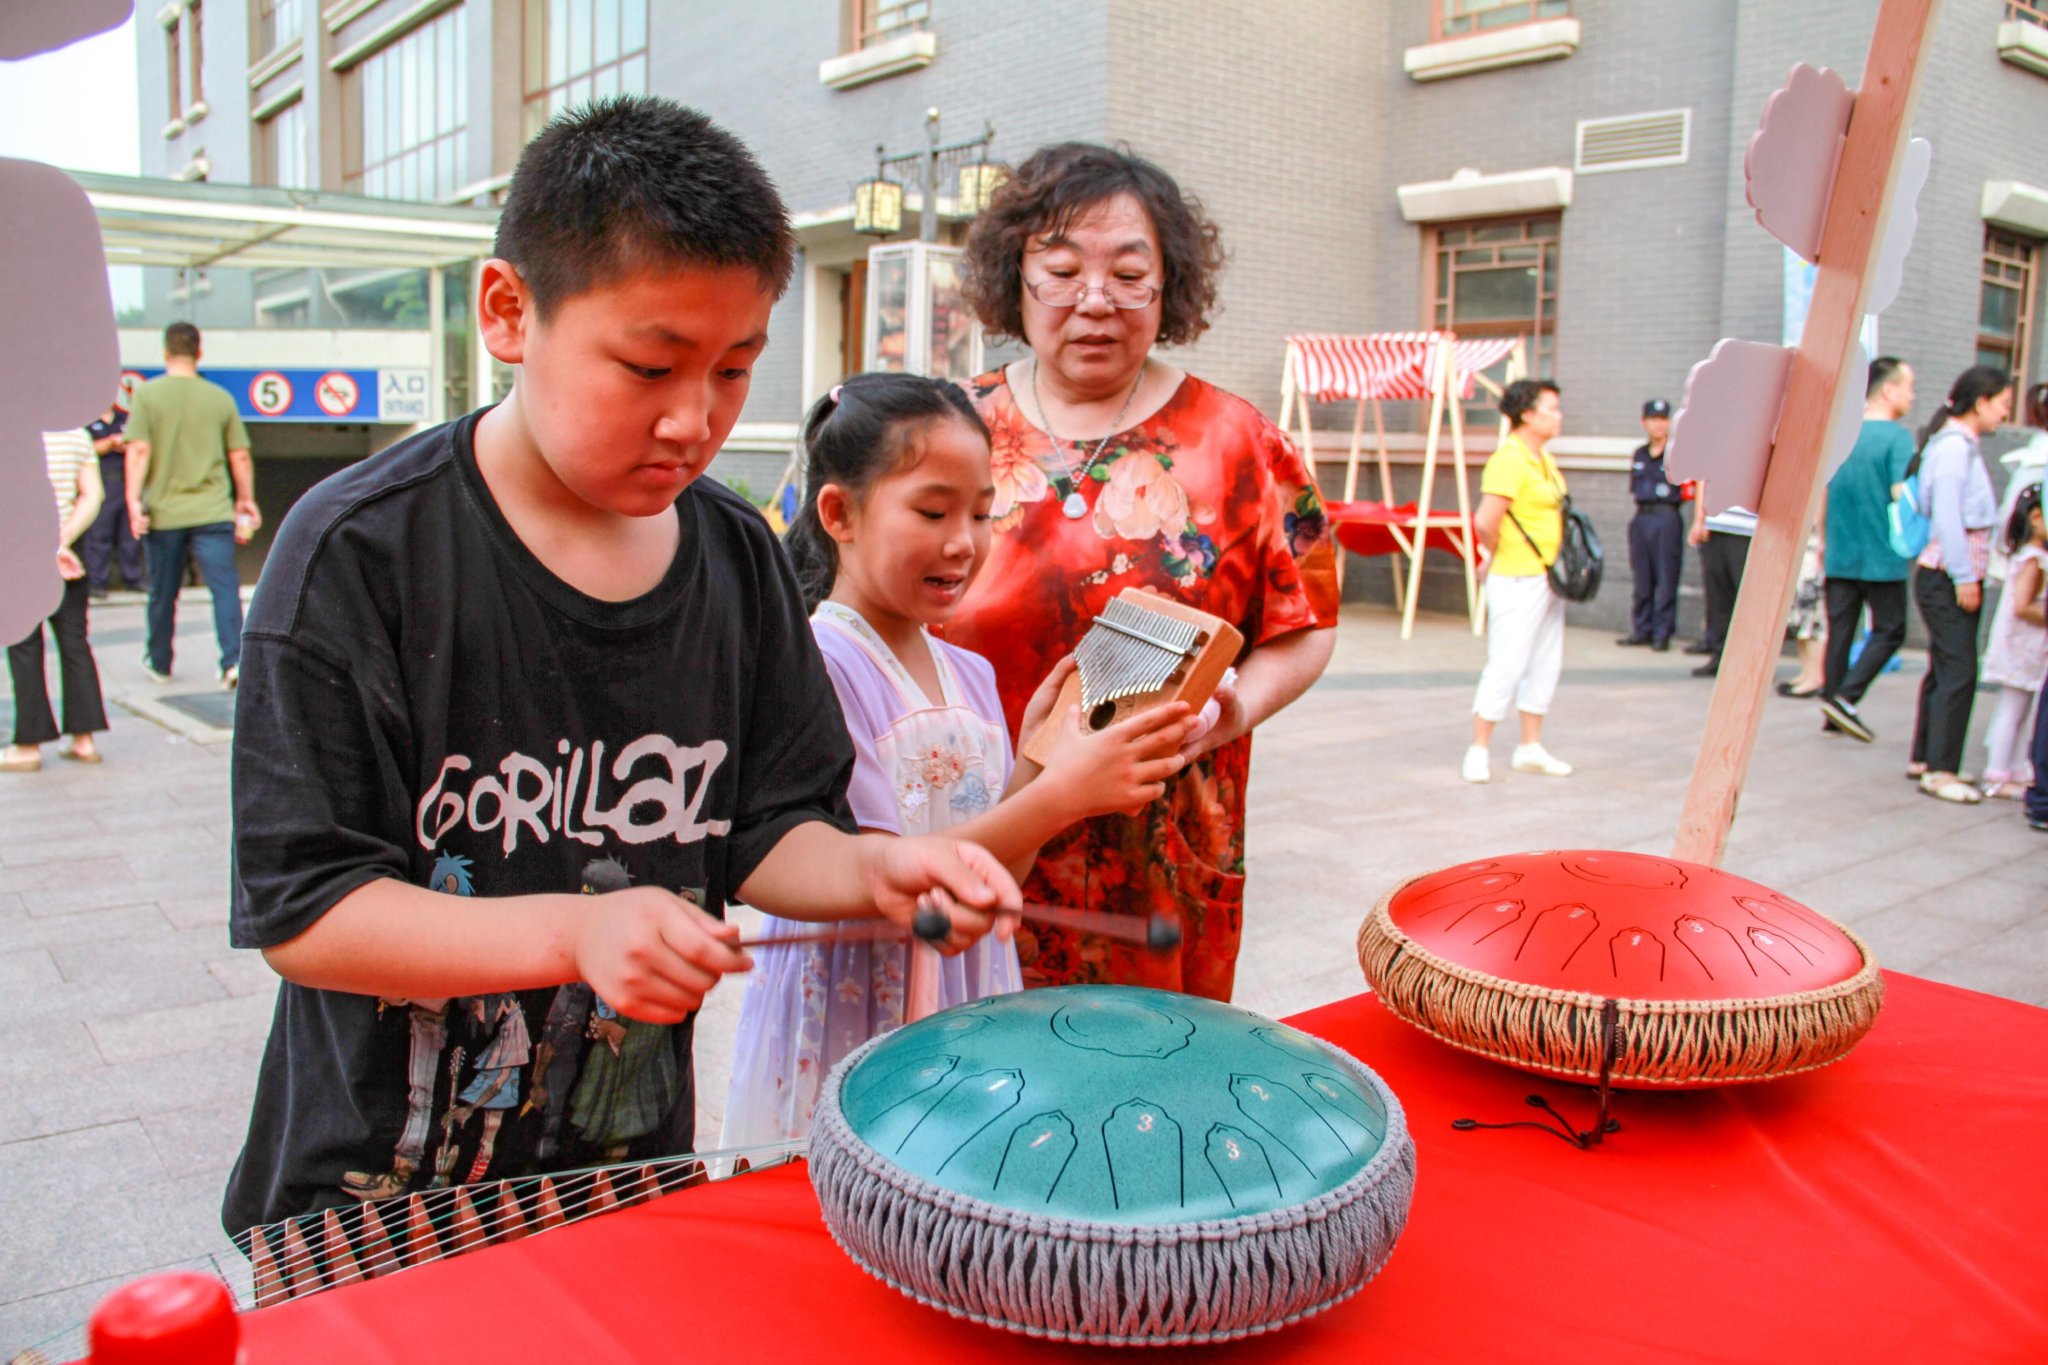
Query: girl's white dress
[(920, 766), (2018, 653)]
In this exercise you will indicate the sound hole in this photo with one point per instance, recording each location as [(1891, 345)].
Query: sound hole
[(1102, 715)]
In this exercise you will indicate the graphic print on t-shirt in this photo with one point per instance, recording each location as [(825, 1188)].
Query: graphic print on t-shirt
[(596, 1081)]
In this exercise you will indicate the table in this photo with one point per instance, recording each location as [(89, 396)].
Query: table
[(1891, 1207)]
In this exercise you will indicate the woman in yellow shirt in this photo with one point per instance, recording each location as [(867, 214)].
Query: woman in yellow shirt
[(1520, 525)]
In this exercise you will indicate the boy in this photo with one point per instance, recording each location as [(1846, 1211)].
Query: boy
[(525, 655)]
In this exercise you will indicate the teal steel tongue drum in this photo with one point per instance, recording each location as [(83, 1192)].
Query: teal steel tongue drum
[(1112, 1165)]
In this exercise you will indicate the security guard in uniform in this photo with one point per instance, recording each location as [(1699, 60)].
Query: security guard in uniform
[(1656, 536)]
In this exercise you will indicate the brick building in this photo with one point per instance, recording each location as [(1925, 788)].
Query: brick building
[(1568, 170)]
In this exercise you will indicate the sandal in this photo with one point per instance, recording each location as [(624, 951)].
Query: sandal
[(1915, 771), (1786, 689), (2007, 790), (26, 764), (71, 752), (1952, 789)]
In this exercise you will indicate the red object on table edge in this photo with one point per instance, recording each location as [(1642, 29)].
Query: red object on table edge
[(1366, 528), (1888, 1207)]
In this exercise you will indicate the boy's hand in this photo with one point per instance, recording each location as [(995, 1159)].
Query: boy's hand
[(1122, 769), (652, 955), (960, 878), (1042, 701)]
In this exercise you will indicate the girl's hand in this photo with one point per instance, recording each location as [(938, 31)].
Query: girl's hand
[(69, 568), (1122, 769), (1044, 699), (652, 955), (1219, 722)]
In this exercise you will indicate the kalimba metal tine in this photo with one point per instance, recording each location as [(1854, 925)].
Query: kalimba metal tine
[(341, 1265)]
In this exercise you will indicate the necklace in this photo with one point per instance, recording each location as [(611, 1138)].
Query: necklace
[(1073, 505)]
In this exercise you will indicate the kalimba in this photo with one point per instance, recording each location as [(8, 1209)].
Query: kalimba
[(1144, 650)]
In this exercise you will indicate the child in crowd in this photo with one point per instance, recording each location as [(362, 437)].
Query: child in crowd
[(2017, 657), (893, 530), (524, 702)]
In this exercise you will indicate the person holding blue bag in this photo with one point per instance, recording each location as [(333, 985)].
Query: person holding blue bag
[(1954, 493)]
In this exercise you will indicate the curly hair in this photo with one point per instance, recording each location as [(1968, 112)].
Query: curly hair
[(1057, 185)]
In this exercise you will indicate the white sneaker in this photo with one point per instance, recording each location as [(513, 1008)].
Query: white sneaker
[(1478, 766), (1534, 758)]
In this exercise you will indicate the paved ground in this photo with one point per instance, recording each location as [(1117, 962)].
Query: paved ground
[(129, 1031)]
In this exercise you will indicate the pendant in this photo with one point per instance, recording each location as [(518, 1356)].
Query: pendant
[(1074, 507)]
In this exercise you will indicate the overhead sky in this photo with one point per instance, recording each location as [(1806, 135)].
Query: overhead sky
[(75, 107)]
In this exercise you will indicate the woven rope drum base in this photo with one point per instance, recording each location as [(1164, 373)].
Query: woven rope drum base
[(1112, 1165), (1621, 968)]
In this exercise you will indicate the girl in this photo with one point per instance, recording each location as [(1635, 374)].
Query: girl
[(2017, 658), (894, 526), (1948, 579)]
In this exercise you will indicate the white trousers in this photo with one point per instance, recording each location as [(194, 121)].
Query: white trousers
[(1524, 646)]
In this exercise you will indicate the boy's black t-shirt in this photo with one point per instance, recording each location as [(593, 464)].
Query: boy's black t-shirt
[(421, 698)]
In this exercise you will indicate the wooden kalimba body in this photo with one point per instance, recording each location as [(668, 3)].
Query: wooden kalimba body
[(1144, 650)]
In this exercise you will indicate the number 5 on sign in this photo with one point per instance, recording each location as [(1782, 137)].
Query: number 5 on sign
[(270, 393)]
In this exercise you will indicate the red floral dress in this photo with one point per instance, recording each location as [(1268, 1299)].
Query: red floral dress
[(1205, 501)]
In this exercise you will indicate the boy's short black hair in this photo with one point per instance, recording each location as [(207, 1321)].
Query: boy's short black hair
[(181, 338), (636, 181)]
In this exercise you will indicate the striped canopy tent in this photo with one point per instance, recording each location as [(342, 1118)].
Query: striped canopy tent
[(1374, 367)]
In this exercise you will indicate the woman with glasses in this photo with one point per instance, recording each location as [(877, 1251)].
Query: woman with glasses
[(1114, 469)]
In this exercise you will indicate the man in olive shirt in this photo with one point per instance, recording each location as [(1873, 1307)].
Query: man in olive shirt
[(1857, 558), (186, 443)]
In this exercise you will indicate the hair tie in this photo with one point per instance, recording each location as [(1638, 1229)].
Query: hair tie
[(834, 395)]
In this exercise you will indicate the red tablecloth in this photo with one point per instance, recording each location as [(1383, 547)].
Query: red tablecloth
[(1892, 1207)]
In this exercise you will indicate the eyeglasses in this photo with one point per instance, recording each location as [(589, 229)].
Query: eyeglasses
[(1068, 292)]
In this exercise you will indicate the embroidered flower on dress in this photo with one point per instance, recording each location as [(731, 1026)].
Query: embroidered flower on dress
[(1139, 500), (941, 766), (914, 796)]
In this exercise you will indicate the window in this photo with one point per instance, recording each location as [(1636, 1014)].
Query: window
[(1458, 18), (193, 40), (2028, 11), (277, 24), (581, 50), (1498, 277), (2005, 301), (282, 147), (175, 68), (407, 120), (869, 22)]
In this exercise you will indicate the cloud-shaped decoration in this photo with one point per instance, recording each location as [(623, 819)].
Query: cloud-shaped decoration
[(28, 27), (1790, 165), (1727, 420), (1900, 225), (59, 364)]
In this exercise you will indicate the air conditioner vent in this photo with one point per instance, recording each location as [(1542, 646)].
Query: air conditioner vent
[(1634, 141)]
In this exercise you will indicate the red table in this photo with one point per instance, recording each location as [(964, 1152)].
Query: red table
[(1891, 1207)]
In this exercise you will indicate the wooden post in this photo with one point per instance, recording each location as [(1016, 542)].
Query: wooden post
[(1462, 537), (1439, 379), (1879, 126)]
